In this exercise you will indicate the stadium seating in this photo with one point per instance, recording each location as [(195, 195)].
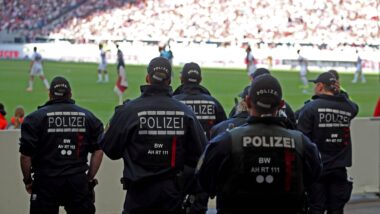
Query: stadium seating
[(334, 22)]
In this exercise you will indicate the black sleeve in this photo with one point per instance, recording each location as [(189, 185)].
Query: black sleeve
[(111, 142), (220, 113), (214, 131), (212, 161), (30, 130), (290, 114), (306, 121), (195, 143), (312, 164), (355, 107), (95, 132)]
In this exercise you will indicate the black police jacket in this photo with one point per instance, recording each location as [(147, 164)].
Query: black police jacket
[(155, 134), (235, 121), (261, 162), (207, 109), (182, 88), (58, 137), (326, 121)]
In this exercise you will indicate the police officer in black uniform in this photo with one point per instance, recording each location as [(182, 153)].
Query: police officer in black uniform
[(208, 109), (286, 110), (338, 90), (261, 167), (239, 118), (54, 145), (326, 121), (157, 136)]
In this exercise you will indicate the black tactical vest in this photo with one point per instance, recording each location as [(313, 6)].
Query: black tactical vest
[(267, 165)]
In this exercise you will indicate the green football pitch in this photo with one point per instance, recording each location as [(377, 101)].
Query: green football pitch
[(224, 84)]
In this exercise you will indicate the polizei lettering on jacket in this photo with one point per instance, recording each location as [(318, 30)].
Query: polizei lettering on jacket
[(268, 141), (333, 118), (203, 109), (66, 122), (161, 122)]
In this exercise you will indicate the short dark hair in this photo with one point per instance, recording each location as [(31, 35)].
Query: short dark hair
[(330, 88), (34, 48)]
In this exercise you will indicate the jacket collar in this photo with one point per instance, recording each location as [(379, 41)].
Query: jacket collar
[(280, 121), (338, 97), (151, 90), (56, 101), (191, 89)]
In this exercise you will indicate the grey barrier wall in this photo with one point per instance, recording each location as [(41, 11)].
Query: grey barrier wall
[(365, 170), (109, 193)]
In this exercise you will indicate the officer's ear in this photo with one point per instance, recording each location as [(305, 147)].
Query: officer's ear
[(50, 96), (147, 78), (318, 88)]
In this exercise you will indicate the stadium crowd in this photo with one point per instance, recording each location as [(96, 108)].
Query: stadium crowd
[(331, 21), (25, 15)]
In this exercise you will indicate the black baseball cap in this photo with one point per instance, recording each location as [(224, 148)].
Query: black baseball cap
[(2, 109), (326, 78), (335, 73), (265, 92), (60, 87), (191, 73), (159, 69), (259, 71)]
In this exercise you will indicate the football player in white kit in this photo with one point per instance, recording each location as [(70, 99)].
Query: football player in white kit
[(359, 69), (250, 61), (121, 82), (36, 70), (102, 68), (303, 72)]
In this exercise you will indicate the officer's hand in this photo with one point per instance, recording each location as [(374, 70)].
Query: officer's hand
[(28, 187)]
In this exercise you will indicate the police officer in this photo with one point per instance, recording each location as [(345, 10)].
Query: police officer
[(286, 110), (208, 109), (54, 145), (262, 167), (157, 136), (326, 121), (239, 118)]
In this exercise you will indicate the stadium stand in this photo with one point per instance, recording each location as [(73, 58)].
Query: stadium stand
[(327, 24)]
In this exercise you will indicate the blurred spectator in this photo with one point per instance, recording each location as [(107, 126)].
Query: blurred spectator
[(377, 109), (3, 120), (17, 119), (332, 21)]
